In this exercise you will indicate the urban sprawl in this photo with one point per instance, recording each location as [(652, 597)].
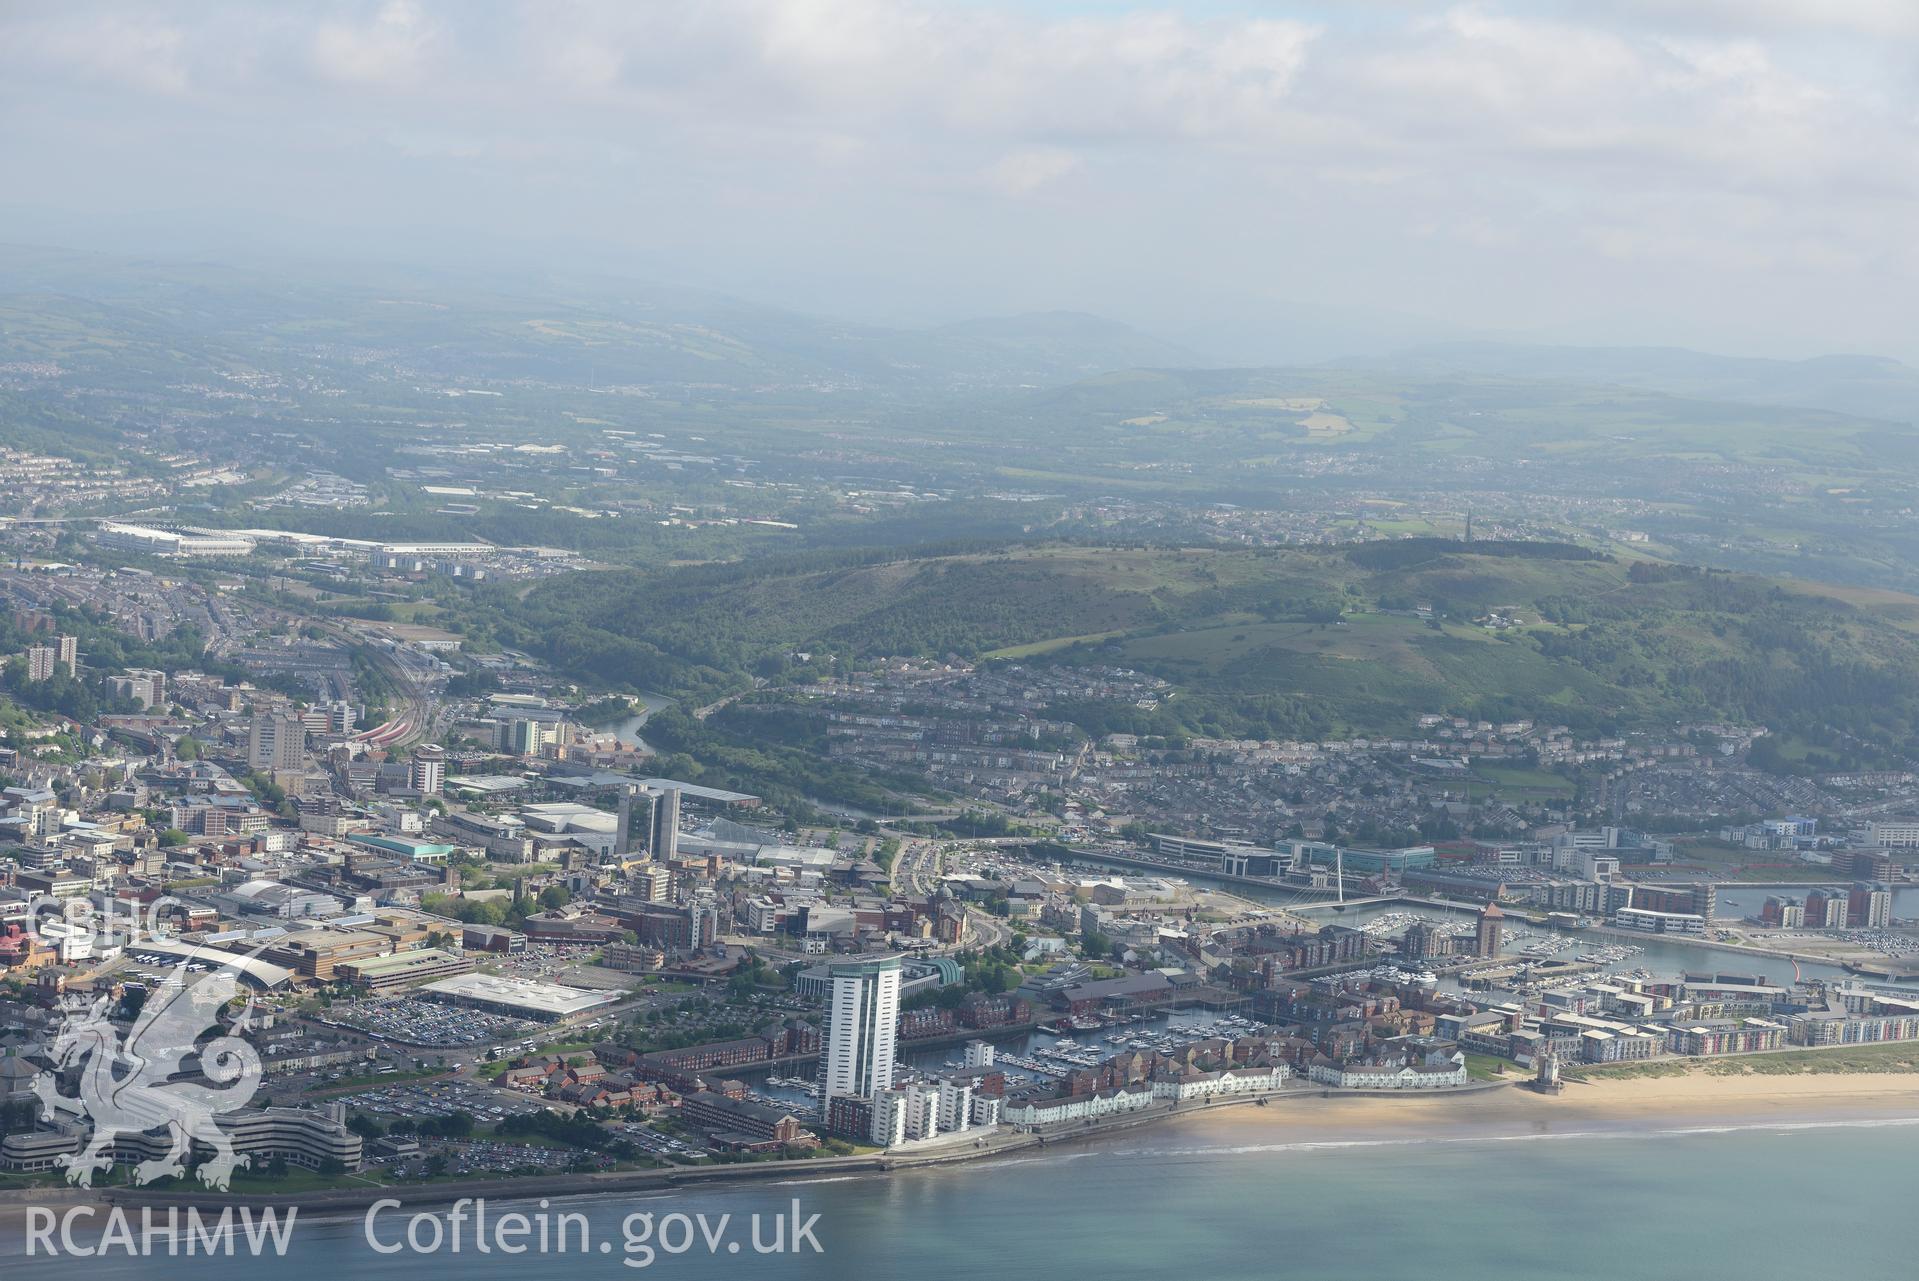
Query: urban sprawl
[(481, 928)]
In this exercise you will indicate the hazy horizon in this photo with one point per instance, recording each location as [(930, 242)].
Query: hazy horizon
[(1256, 182)]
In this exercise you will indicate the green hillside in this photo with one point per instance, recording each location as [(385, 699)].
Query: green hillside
[(1292, 641)]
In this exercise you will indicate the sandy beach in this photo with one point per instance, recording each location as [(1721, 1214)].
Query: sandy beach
[(1623, 1105)]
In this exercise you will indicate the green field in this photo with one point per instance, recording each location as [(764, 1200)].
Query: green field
[(1484, 1067)]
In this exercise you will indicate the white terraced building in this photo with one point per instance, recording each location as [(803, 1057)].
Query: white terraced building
[(1028, 1112), (1368, 1076), (1207, 1085)]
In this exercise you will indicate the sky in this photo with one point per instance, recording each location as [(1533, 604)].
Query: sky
[(1254, 179)]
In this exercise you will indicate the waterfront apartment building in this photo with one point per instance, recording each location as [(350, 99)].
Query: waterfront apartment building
[(1740, 1036), (1827, 910), (1593, 898), (1650, 922), (1783, 913), (1698, 900), (1492, 922), (1425, 941), (719, 1114), (862, 1028), (1618, 1045), (914, 1112), (1869, 906), (1827, 1028), (955, 1104), (851, 1117), (886, 1114)]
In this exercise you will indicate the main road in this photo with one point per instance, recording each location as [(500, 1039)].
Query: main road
[(916, 871)]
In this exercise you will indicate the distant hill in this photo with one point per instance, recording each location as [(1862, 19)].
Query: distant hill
[(1056, 340), (1217, 419), (142, 318), (1872, 386)]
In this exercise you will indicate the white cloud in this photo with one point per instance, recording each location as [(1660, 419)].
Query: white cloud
[(388, 49), (1025, 171), (127, 51), (1454, 143), (1875, 18)]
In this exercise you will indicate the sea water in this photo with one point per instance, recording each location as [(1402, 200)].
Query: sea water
[(1224, 1202)]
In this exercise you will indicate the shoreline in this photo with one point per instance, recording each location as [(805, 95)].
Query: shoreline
[(1697, 1102), (1597, 1107)]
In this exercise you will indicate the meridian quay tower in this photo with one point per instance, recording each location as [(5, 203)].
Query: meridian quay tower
[(862, 1029)]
